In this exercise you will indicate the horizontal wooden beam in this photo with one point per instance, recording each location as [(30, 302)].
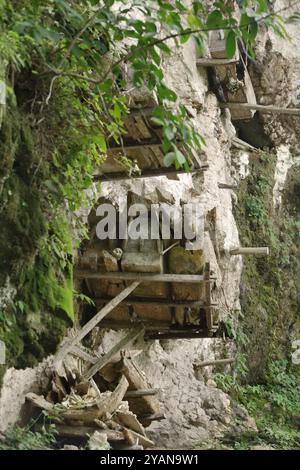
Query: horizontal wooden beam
[(207, 62), (216, 362), (134, 146), (149, 173), (157, 302), (227, 186), (178, 335), (142, 277), (262, 108), (257, 250), (141, 393)]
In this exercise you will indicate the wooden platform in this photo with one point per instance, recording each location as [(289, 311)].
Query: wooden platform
[(142, 145)]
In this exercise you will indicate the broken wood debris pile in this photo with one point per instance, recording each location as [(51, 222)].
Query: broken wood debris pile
[(110, 410)]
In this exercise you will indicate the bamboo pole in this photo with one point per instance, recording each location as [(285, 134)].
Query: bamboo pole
[(262, 108), (143, 277), (257, 250)]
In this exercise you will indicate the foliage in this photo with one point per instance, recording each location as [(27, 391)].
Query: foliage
[(65, 65), (275, 406), (19, 438)]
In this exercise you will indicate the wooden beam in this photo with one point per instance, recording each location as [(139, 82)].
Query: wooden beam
[(134, 146), (142, 277), (141, 393), (77, 351), (157, 302), (149, 173), (64, 430), (94, 322), (262, 108), (131, 336), (241, 144), (257, 250), (208, 310), (227, 186), (207, 62), (177, 335), (216, 362)]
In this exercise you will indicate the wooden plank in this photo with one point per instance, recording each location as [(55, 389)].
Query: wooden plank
[(177, 335), (142, 277), (208, 310), (39, 401), (141, 393), (132, 335), (207, 62), (151, 173), (94, 321), (77, 351), (156, 302), (262, 108), (134, 145), (142, 440), (241, 144)]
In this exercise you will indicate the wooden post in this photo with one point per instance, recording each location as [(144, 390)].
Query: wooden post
[(94, 322), (262, 108), (217, 362), (257, 250), (132, 335), (227, 186)]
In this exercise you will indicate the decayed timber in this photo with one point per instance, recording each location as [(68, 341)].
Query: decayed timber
[(208, 310), (148, 173), (77, 351), (132, 335), (227, 186), (157, 302), (143, 277), (177, 335), (216, 362), (94, 321), (141, 393), (241, 144), (257, 250), (139, 405), (39, 401), (207, 62), (262, 108)]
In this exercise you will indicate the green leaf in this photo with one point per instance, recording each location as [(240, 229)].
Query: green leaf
[(230, 44), (214, 20), (169, 159), (180, 158), (166, 93)]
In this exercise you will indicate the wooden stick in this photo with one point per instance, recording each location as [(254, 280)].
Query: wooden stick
[(141, 392), (216, 362), (257, 250), (227, 186), (207, 62), (94, 321), (143, 277), (262, 109), (65, 430), (76, 351), (169, 248), (132, 335), (178, 335), (241, 144), (149, 173)]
